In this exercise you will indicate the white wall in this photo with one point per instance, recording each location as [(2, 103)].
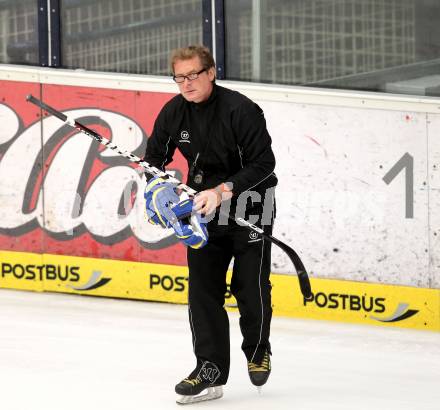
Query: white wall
[(334, 206)]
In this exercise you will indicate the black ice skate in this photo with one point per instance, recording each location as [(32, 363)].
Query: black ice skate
[(259, 372), (200, 385)]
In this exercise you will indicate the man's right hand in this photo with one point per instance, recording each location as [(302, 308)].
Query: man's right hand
[(160, 196)]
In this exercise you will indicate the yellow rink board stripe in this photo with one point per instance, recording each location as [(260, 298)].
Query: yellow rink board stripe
[(343, 301)]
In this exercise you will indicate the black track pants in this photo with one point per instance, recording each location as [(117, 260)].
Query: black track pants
[(250, 285)]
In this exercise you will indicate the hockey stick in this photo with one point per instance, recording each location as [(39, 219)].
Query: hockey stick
[(303, 278)]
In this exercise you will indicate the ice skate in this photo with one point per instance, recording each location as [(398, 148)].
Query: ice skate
[(200, 385), (259, 372)]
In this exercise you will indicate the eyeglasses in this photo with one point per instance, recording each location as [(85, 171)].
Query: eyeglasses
[(179, 79)]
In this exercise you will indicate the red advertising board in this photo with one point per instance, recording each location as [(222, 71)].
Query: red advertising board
[(63, 193)]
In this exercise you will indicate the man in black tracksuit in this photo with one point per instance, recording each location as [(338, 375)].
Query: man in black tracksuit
[(223, 136)]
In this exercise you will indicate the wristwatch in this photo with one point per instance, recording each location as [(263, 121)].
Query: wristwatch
[(223, 187)]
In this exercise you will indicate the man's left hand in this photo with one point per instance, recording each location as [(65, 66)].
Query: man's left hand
[(205, 202)]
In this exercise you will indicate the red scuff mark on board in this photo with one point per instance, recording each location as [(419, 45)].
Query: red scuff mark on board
[(317, 143)]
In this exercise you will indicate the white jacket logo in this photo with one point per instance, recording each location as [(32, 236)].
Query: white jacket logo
[(184, 137), (85, 188), (254, 237)]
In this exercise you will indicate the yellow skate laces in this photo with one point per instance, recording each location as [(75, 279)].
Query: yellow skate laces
[(193, 382), (264, 366)]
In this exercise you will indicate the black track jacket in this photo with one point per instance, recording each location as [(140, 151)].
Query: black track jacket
[(228, 132)]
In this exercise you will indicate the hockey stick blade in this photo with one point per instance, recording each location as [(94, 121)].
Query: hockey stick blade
[(303, 278)]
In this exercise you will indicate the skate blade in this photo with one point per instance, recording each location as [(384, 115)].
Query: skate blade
[(211, 393)]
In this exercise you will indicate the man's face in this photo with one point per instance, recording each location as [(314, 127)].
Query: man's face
[(197, 90)]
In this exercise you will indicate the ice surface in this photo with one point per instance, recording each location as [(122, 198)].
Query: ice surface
[(67, 352)]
